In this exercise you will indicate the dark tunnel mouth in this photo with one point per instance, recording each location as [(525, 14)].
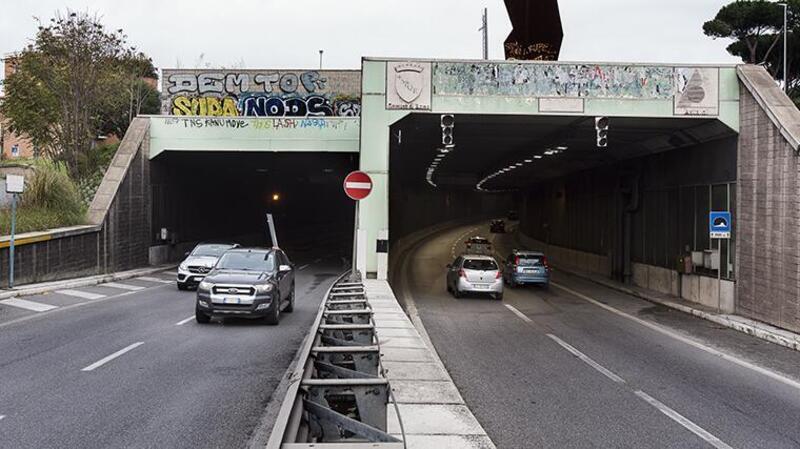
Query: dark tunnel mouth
[(225, 196)]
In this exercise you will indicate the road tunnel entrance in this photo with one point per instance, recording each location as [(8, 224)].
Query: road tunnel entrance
[(641, 200), (209, 195)]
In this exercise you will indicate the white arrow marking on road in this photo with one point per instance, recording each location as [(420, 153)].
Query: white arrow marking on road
[(80, 294), (118, 285), (358, 185), (28, 305), (111, 357)]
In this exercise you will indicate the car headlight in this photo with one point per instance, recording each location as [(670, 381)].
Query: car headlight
[(204, 285), (264, 288), (183, 267)]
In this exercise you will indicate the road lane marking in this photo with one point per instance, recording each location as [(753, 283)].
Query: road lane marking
[(682, 420), (173, 273), (586, 359), (735, 360), (81, 294), (111, 357), (149, 279), (182, 322), (129, 287), (303, 267), (2, 416), (518, 313), (28, 305)]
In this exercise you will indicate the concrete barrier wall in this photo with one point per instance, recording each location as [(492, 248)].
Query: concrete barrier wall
[(570, 259), (117, 236)]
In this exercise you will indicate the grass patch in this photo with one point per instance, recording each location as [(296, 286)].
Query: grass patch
[(51, 200)]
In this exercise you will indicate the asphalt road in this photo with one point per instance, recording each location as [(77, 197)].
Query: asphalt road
[(173, 384), (584, 366)]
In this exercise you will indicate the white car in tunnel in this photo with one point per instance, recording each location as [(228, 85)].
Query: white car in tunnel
[(472, 273), (199, 262)]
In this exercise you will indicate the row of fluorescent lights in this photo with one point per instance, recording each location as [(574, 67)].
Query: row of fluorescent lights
[(515, 165), (442, 153)]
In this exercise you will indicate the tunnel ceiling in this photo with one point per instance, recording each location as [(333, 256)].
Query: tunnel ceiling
[(487, 143)]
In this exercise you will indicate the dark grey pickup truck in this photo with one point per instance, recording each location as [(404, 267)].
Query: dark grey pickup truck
[(247, 282)]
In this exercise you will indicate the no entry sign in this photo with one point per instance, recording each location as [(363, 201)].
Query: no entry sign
[(357, 185)]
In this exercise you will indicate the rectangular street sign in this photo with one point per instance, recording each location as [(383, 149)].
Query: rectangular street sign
[(719, 225), (15, 183)]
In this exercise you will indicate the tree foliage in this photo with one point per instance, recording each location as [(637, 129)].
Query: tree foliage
[(72, 83)]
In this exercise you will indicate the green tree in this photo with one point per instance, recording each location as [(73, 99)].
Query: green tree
[(68, 83)]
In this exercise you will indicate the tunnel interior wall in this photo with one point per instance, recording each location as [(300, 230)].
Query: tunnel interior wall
[(666, 195), (768, 272)]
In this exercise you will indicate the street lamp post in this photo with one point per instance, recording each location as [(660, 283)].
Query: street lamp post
[(320, 59)]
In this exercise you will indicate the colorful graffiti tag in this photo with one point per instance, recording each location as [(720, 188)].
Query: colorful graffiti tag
[(258, 93)]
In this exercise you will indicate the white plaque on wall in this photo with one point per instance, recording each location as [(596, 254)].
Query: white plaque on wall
[(408, 85)]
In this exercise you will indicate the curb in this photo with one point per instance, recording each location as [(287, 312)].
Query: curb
[(81, 282), (741, 324)]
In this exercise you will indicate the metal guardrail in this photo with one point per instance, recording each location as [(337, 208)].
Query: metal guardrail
[(338, 396)]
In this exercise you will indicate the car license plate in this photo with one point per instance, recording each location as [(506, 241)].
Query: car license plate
[(481, 287), (529, 270), (232, 301)]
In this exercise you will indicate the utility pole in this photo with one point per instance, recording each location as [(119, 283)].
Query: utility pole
[(785, 44), (485, 29), (320, 59)]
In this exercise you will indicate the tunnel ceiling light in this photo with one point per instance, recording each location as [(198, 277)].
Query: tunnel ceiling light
[(562, 148), (538, 156), (518, 164)]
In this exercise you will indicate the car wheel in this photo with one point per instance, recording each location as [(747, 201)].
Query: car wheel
[(456, 292), (290, 307), (274, 316), (182, 287), (202, 318)]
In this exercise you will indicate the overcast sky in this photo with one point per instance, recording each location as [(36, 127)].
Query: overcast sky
[(289, 33)]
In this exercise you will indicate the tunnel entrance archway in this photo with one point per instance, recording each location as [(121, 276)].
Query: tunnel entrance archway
[(218, 195)]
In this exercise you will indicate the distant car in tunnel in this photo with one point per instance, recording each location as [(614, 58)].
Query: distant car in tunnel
[(199, 262), (526, 267), (250, 283), (497, 226), (475, 274), (478, 245)]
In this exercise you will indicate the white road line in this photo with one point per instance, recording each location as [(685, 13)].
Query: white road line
[(172, 273), (2, 416), (771, 374), (149, 279), (586, 359), (28, 305), (518, 313), (303, 267), (182, 322), (121, 286), (111, 357), (680, 419), (80, 294)]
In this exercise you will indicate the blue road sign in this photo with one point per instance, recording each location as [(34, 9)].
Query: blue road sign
[(719, 225)]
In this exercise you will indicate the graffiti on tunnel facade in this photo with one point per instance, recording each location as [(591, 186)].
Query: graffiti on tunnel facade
[(262, 93)]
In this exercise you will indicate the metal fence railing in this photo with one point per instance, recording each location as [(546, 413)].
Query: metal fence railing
[(338, 396)]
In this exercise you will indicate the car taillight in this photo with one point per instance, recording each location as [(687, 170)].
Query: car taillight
[(498, 275), (544, 262), (462, 273), (516, 260)]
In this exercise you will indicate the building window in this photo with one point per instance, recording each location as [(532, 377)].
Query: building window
[(15, 150)]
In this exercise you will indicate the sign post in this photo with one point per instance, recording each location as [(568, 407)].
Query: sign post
[(15, 184), (271, 227), (357, 185), (719, 228)]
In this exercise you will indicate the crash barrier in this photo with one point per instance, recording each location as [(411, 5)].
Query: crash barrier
[(338, 395)]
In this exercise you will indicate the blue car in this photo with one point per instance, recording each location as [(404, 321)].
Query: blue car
[(526, 267)]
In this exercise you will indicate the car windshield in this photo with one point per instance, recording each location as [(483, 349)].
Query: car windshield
[(528, 260), (479, 264), (213, 250), (247, 261)]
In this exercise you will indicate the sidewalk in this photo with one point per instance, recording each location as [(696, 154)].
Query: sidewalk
[(755, 328), (45, 287), (431, 409)]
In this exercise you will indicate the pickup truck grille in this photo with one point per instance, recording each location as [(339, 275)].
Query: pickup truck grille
[(233, 290)]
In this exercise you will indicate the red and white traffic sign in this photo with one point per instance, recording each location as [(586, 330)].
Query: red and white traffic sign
[(357, 185)]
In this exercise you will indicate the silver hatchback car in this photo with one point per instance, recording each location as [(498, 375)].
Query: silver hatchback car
[(472, 273)]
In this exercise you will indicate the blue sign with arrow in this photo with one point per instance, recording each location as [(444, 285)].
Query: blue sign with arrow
[(719, 225)]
